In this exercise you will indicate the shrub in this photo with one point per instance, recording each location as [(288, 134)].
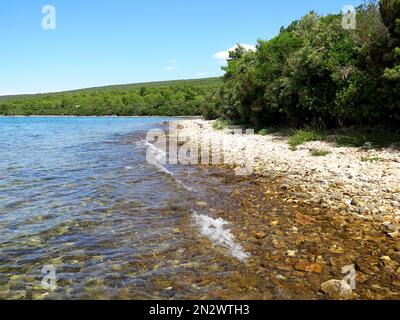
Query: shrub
[(301, 136), (220, 124), (319, 153), (316, 73), (263, 132), (370, 159)]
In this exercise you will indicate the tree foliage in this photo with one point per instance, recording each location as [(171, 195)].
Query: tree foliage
[(316, 72), (184, 98), (390, 11)]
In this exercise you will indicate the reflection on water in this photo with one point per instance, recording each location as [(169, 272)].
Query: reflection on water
[(78, 194)]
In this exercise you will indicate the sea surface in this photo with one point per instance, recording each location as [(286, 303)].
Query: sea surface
[(79, 196)]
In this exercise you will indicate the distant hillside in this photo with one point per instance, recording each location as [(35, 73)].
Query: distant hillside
[(156, 84), (165, 98)]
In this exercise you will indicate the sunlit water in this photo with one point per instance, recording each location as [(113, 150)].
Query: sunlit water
[(79, 195)]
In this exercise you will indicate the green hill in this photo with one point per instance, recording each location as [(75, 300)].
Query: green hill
[(155, 84), (164, 98)]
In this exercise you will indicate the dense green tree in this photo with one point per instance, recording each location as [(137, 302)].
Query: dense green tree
[(317, 72), (185, 98), (390, 11)]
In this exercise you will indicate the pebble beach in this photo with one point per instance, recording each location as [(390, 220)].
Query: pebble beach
[(305, 220), (343, 180)]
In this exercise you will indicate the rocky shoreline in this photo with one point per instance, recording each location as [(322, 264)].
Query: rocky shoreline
[(340, 181), (305, 219)]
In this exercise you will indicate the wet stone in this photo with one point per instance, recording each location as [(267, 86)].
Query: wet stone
[(308, 267), (261, 235), (337, 287)]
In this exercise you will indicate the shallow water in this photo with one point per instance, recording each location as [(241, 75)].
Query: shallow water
[(79, 195)]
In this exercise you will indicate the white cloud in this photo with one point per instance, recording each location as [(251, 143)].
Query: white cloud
[(170, 68), (172, 61), (222, 56)]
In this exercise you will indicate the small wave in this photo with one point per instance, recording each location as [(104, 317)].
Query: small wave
[(159, 157), (215, 230)]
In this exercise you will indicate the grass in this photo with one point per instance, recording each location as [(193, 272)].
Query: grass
[(367, 137), (302, 136), (376, 138), (264, 132), (220, 124), (280, 131), (370, 159), (319, 153)]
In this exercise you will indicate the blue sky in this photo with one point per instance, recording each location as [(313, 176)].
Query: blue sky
[(102, 42)]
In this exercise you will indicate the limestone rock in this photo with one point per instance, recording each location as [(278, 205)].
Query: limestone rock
[(336, 287), (201, 204), (291, 253)]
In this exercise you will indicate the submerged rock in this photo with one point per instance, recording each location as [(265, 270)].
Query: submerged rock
[(394, 235), (261, 235), (274, 223), (308, 267), (242, 236), (336, 249), (201, 204), (291, 253), (337, 287)]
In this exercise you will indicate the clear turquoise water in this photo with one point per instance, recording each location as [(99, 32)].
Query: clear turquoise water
[(78, 194), (52, 168)]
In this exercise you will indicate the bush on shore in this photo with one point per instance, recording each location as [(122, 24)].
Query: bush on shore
[(179, 98), (316, 73)]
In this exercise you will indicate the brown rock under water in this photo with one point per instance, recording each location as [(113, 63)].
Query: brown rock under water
[(308, 267)]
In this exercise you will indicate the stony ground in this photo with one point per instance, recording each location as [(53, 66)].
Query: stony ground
[(364, 183), (305, 218)]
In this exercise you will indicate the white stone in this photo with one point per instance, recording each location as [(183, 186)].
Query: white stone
[(340, 287)]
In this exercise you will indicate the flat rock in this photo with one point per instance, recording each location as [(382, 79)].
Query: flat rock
[(291, 253), (302, 218), (308, 267), (337, 287), (201, 204), (242, 236), (261, 235), (394, 235)]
